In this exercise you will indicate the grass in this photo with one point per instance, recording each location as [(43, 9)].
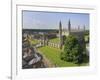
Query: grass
[(55, 40), (33, 41), (53, 55)]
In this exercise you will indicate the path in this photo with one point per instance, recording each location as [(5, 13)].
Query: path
[(46, 61)]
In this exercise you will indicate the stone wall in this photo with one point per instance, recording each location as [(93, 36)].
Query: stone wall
[(55, 45)]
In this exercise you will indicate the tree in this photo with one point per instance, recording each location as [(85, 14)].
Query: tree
[(64, 39), (72, 50)]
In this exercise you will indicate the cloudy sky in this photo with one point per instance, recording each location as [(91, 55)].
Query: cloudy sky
[(50, 20)]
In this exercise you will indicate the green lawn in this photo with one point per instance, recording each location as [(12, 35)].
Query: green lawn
[(55, 40), (53, 55), (33, 41)]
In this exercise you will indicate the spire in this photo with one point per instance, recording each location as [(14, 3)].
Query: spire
[(78, 27), (60, 25), (84, 27), (60, 34), (69, 26)]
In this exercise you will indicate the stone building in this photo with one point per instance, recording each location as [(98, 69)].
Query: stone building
[(79, 33), (45, 35)]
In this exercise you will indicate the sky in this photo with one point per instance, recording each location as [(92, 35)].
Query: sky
[(50, 20)]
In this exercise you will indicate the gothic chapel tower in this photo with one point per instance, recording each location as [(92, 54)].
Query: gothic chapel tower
[(69, 27), (60, 34)]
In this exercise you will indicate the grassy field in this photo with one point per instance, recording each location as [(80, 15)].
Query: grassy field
[(33, 41), (53, 55), (55, 40)]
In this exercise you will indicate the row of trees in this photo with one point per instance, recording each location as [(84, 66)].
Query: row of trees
[(73, 51)]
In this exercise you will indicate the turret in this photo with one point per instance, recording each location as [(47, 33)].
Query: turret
[(78, 27), (60, 34), (84, 27), (69, 26)]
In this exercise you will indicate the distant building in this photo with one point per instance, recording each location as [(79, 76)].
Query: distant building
[(44, 35), (79, 33)]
